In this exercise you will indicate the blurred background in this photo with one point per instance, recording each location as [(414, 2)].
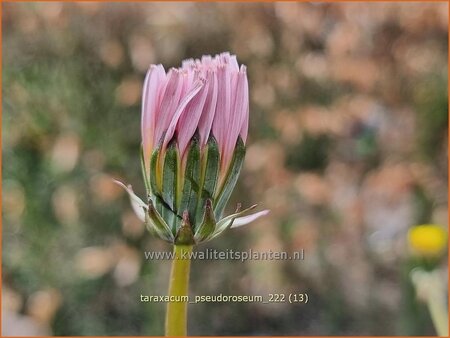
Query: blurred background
[(347, 148)]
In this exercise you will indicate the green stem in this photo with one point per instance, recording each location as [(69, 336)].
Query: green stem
[(439, 316), (431, 286), (438, 308), (176, 315)]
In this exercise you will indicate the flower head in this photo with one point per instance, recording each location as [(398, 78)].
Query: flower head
[(194, 129), (427, 240)]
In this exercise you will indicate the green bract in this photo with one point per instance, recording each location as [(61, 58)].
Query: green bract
[(187, 198)]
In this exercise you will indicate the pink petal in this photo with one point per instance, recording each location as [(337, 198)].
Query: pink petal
[(189, 119), (233, 63), (237, 116), (169, 102), (223, 106), (209, 110), (239, 221), (244, 130), (245, 113), (207, 60), (189, 77), (187, 64), (154, 82), (184, 102), (225, 58)]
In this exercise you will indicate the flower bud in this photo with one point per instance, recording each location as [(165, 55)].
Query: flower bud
[(194, 128)]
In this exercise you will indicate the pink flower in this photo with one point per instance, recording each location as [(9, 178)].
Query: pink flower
[(194, 129), (208, 95)]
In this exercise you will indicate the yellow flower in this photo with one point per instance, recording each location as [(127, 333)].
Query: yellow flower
[(428, 240)]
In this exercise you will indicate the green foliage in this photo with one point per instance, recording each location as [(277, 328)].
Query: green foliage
[(310, 154), (431, 100)]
